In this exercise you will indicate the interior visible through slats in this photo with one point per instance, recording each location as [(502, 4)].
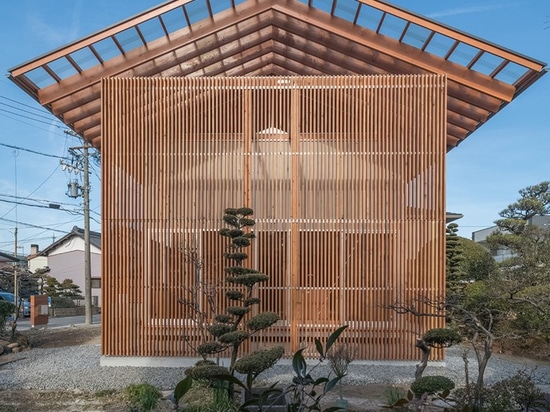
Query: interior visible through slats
[(346, 178)]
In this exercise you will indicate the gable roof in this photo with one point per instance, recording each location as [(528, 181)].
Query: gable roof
[(95, 240), (284, 38)]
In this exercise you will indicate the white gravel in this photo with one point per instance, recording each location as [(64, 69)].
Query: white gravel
[(78, 368)]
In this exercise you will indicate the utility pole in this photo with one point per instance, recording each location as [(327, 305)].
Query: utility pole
[(75, 190), (16, 263), (87, 256), (15, 285)]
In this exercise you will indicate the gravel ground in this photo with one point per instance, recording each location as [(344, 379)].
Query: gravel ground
[(78, 368)]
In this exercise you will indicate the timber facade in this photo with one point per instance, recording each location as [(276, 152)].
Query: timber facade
[(346, 178)]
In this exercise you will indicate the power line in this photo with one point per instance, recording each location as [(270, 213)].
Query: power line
[(41, 109), (30, 118), (31, 205), (27, 111), (31, 225), (38, 200), (32, 151)]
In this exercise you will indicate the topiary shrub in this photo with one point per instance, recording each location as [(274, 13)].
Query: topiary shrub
[(431, 385), (231, 329), (441, 338)]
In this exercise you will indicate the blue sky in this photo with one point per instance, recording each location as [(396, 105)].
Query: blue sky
[(484, 173)]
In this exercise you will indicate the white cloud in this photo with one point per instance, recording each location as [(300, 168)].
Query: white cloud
[(55, 35), (467, 10)]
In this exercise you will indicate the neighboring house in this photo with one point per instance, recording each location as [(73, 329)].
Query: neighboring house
[(330, 119), (502, 252), (65, 258)]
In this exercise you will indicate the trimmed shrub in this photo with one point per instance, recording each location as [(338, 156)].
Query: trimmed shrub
[(431, 385), (441, 338)]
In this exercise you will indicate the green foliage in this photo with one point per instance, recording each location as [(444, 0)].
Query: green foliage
[(223, 318), (26, 281), (143, 396), (479, 296), (238, 311), (248, 280), (62, 302), (431, 385), (6, 310), (258, 361), (204, 372), (234, 295), (219, 329), (51, 288), (68, 289), (228, 328), (209, 399), (534, 200), (476, 262), (262, 321), (516, 393), (305, 392), (529, 318), (210, 348), (441, 338), (453, 256), (251, 301), (234, 338)]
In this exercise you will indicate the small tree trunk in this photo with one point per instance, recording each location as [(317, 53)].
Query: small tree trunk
[(482, 361), (426, 350)]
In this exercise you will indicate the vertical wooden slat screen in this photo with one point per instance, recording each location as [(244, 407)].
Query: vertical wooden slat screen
[(346, 178)]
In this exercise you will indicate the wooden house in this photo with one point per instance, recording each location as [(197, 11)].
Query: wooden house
[(330, 119)]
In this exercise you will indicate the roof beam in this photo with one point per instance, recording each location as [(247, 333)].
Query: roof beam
[(98, 36), (307, 36), (134, 58), (429, 24), (403, 52)]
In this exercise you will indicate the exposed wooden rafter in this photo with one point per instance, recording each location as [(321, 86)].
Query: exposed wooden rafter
[(286, 37)]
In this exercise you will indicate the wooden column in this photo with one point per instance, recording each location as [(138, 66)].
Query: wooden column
[(296, 294)]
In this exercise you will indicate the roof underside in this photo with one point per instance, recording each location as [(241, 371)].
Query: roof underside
[(278, 38)]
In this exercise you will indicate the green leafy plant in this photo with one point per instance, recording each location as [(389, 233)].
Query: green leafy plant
[(142, 397), (306, 392)]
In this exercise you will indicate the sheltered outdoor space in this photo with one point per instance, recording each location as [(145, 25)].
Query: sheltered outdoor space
[(330, 119)]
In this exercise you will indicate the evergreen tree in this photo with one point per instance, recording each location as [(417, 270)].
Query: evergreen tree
[(51, 288), (453, 258), (68, 289)]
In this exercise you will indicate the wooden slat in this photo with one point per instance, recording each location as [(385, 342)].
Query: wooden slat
[(346, 177)]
